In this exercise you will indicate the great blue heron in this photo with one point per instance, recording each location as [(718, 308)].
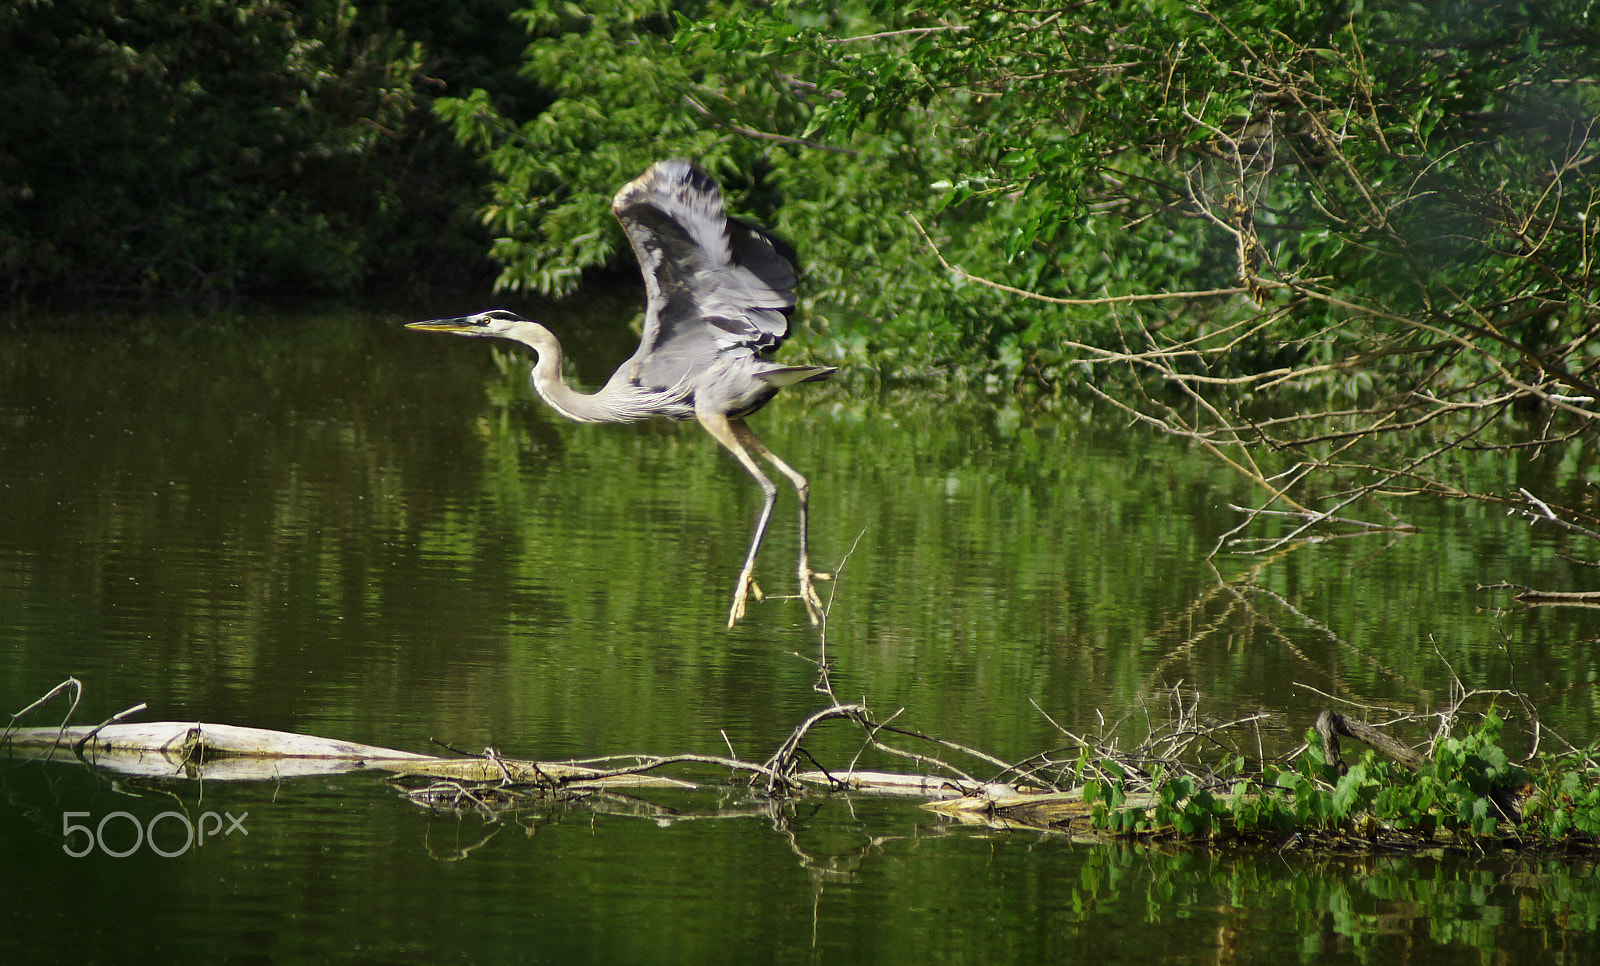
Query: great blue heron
[(720, 292)]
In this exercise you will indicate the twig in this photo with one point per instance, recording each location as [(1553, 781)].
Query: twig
[(777, 767), (651, 764), (1053, 300), (909, 31), (71, 683), (1328, 518), (1550, 515), (78, 746)]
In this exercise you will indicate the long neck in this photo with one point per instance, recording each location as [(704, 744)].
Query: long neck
[(547, 382)]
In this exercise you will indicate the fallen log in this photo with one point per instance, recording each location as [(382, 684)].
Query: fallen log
[(1561, 598), (1051, 811), (889, 783), (219, 752)]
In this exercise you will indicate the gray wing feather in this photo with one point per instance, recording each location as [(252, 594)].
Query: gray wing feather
[(715, 284)]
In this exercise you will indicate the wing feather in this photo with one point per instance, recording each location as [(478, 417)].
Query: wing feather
[(715, 284)]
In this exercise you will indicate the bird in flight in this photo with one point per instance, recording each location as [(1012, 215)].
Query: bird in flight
[(719, 294)]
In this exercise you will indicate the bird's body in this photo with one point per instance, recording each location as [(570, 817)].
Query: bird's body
[(720, 292)]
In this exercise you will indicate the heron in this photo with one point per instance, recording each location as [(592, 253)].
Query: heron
[(719, 293)]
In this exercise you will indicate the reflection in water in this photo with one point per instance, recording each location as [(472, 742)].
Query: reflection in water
[(327, 525), (687, 877)]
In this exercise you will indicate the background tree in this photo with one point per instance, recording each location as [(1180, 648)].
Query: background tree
[(1390, 208), (1340, 246), (724, 83), (212, 148)]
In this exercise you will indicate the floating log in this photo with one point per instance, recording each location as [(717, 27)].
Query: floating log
[(1561, 598), (219, 752), (215, 751), (1050, 811), (519, 772), (888, 783)]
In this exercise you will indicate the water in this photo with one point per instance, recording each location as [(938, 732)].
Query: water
[(327, 524)]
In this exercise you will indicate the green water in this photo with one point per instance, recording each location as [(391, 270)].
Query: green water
[(329, 524)]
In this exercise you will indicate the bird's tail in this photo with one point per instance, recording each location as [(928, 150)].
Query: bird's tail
[(782, 376)]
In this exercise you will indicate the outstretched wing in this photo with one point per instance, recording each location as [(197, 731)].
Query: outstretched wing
[(715, 283)]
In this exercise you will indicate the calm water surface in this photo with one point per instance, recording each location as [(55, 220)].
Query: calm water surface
[(328, 524)]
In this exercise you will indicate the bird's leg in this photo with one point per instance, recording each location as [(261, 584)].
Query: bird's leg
[(802, 489), (723, 430)]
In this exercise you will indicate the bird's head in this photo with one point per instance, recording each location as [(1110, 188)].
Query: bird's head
[(495, 322)]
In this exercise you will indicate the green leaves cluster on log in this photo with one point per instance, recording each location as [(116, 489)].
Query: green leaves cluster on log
[(1468, 790)]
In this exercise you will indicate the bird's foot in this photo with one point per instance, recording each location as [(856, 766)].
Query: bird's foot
[(808, 594), (747, 588)]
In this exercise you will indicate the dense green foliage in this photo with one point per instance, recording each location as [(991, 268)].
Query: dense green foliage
[(210, 148), (1428, 164), (1467, 789), (1431, 163), (729, 85), (1380, 209)]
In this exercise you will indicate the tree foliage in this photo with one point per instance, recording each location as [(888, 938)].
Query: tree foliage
[(1386, 205), (1422, 159), (210, 148), (727, 84), (1214, 203)]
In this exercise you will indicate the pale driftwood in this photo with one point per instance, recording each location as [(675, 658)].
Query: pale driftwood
[(889, 783), (220, 752), (214, 751), (1050, 811), (997, 805), (187, 740), (1561, 598), (518, 772), (1551, 598)]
